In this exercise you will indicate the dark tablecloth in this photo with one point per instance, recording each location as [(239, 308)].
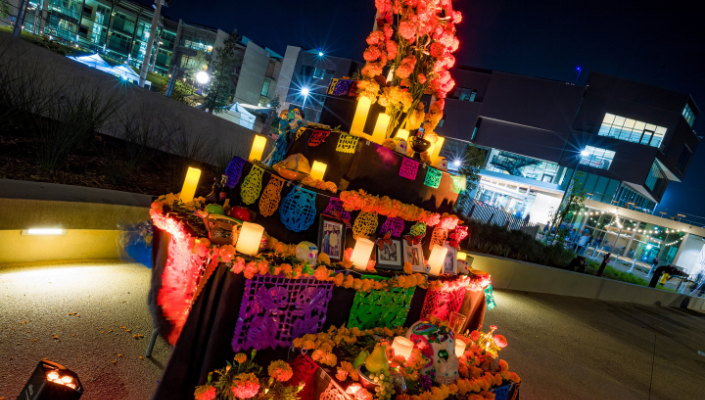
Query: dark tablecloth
[(205, 341)]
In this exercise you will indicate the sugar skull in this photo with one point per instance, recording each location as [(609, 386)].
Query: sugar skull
[(307, 251), (401, 147), (441, 163), (437, 343)]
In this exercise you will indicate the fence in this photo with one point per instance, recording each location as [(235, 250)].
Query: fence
[(471, 209)]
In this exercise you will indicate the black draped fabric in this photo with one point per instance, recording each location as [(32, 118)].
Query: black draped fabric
[(160, 247)]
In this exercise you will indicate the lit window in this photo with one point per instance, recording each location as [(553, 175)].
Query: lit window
[(596, 157), (631, 130), (464, 94), (688, 115)]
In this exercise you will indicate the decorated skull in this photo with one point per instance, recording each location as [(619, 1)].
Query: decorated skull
[(307, 251), (401, 147), (441, 163), (437, 343)]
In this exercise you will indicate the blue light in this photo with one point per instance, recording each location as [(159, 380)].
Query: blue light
[(578, 69), (305, 91), (320, 54)]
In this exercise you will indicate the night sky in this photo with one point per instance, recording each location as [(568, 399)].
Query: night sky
[(661, 43)]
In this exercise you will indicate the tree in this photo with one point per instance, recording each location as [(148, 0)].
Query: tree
[(224, 75), (273, 109), (473, 160), (5, 9), (572, 202)]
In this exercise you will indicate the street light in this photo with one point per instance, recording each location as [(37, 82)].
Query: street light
[(202, 77), (305, 91), (320, 54)]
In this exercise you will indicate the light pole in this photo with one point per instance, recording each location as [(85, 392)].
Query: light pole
[(20, 17)]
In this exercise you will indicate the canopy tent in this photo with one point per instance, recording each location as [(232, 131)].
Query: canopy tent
[(246, 118), (121, 71), (126, 73)]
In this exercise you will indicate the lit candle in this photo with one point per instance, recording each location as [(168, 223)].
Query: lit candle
[(402, 347), (190, 184), (380, 132), (361, 253), (249, 240), (462, 256), (459, 347), (402, 134), (257, 148), (363, 108), (436, 149), (437, 259), (318, 169)]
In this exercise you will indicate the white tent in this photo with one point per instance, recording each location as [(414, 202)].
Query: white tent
[(94, 61), (126, 73), (245, 118)]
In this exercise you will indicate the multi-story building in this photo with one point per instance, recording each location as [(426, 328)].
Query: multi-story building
[(305, 76)]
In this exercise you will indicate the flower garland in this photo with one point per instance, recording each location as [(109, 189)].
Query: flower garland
[(355, 200)]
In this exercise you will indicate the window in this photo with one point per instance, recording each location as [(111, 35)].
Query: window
[(688, 115), (656, 181), (265, 88), (83, 31), (464, 94), (631, 130), (307, 71), (596, 157), (684, 158), (87, 11)]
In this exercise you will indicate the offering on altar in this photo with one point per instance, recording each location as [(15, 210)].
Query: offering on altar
[(437, 344), (294, 167), (307, 252)]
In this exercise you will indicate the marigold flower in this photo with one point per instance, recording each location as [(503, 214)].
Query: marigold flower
[(280, 370), (322, 273), (407, 30), (341, 375), (250, 270), (437, 50), (240, 357), (238, 265), (388, 31), (349, 281), (363, 394), (500, 341), (245, 386), (392, 49), (205, 393), (375, 37), (457, 17)]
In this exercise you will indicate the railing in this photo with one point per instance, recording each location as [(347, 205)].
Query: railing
[(471, 209)]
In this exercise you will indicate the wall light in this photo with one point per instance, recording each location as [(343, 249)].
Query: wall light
[(305, 91), (44, 231)]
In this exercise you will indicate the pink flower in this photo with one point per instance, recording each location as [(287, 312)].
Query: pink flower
[(238, 265), (457, 17), (475, 335), (406, 68), (437, 50), (407, 30), (493, 327), (383, 6), (375, 37), (500, 341)]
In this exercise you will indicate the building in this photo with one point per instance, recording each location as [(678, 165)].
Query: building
[(305, 76)]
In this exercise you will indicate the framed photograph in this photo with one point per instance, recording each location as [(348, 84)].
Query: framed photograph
[(390, 257), (450, 265), (413, 254), (331, 237)]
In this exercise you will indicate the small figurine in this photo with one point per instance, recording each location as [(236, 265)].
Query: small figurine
[(280, 144)]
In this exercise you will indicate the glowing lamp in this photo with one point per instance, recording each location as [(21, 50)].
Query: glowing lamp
[(249, 240), (202, 77), (402, 134), (361, 253), (318, 169), (402, 347), (257, 148), (380, 132), (363, 108), (53, 381), (436, 149), (190, 184), (437, 259), (44, 231), (459, 347), (462, 256)]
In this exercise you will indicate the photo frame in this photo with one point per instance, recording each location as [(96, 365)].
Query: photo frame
[(391, 256), (450, 265), (331, 237), (413, 254)]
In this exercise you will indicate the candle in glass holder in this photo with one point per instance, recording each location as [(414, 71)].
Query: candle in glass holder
[(437, 259), (361, 253), (459, 347), (402, 134), (435, 151), (380, 132), (402, 347), (257, 148), (190, 184), (363, 108), (318, 169), (248, 241)]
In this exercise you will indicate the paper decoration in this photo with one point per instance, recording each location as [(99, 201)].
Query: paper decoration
[(234, 171), (433, 178), (347, 143), (395, 225), (252, 185), (439, 236), (275, 310), (304, 370), (335, 208), (365, 224), (418, 229), (461, 232), (489, 298), (441, 302), (317, 137), (298, 209), (269, 202), (379, 308), (300, 132), (333, 393), (458, 183), (409, 168)]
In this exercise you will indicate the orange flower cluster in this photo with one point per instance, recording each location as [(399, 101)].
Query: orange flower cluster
[(245, 386), (280, 370), (345, 370), (409, 367), (462, 281), (354, 200), (320, 184)]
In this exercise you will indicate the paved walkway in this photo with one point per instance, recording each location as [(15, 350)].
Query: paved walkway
[(571, 348)]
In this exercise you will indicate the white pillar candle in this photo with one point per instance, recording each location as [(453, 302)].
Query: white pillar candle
[(402, 347), (361, 253), (318, 169), (363, 108), (436, 259), (250, 238), (257, 148), (380, 132), (402, 134), (190, 184), (459, 347)]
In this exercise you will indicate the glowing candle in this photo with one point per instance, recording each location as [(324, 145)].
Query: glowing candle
[(402, 134), (459, 347), (436, 149), (249, 240), (363, 108), (380, 132), (318, 169), (361, 253), (257, 148), (402, 346), (462, 256), (190, 184), (436, 260)]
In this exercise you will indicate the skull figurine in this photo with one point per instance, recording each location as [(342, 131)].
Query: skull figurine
[(401, 146), (441, 163), (437, 343), (307, 251)]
